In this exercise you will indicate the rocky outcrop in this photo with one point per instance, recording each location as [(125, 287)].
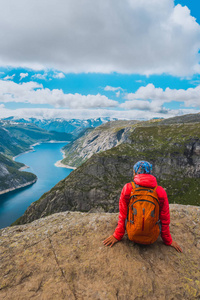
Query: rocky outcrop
[(114, 133), (63, 257), (11, 178), (100, 139)]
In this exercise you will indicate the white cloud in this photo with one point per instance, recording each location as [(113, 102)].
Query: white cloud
[(112, 89), (118, 94), (158, 96), (40, 76), (2, 106), (136, 104), (129, 36), (34, 93), (146, 98), (9, 77), (153, 106), (23, 75), (59, 75)]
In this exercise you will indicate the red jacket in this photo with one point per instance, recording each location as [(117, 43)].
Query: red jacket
[(146, 180)]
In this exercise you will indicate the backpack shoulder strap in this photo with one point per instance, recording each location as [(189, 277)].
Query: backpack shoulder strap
[(133, 184), (154, 190)]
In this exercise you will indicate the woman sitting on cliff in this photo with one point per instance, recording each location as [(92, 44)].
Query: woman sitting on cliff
[(141, 213)]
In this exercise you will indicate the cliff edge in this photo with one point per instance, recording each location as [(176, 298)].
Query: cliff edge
[(62, 257)]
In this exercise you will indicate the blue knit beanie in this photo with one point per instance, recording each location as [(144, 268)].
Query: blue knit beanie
[(142, 167)]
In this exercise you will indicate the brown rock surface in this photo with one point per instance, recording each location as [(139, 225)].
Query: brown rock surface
[(62, 257)]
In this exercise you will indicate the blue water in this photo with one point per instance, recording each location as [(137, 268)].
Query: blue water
[(41, 162)]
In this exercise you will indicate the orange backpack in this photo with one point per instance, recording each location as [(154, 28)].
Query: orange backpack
[(143, 215)]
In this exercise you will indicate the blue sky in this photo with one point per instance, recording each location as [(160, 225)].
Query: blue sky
[(96, 59)]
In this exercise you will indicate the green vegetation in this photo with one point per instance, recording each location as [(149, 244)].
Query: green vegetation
[(9, 162), (161, 141), (184, 191)]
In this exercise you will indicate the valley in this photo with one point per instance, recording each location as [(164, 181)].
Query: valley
[(17, 138)]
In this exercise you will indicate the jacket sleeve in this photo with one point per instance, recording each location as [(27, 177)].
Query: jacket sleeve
[(164, 216), (123, 207)]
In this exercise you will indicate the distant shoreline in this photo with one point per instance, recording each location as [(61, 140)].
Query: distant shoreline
[(32, 147), (18, 187), (59, 164), (31, 150)]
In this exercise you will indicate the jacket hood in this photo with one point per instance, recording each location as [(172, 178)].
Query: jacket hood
[(146, 180)]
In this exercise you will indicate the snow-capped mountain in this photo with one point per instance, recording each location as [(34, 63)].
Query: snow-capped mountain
[(62, 125)]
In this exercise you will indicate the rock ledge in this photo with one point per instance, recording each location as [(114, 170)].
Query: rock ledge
[(62, 257)]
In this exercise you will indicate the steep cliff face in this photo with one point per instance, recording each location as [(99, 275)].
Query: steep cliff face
[(114, 133), (11, 177), (62, 257), (174, 151), (97, 140)]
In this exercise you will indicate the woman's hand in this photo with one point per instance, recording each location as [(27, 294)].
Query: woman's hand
[(176, 246), (110, 241)]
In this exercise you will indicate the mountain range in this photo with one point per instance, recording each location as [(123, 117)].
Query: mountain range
[(74, 126)]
